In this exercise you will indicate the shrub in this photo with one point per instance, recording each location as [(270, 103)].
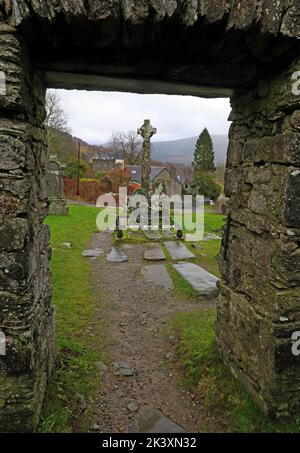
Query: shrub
[(207, 186), (90, 190)]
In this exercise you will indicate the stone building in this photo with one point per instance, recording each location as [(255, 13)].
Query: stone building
[(103, 164), (106, 163), (158, 174)]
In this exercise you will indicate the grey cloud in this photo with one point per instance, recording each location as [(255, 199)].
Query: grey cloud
[(93, 116)]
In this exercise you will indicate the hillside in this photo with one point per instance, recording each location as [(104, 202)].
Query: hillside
[(182, 151), (177, 151), (65, 146)]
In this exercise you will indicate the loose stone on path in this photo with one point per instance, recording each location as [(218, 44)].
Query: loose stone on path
[(154, 253), (122, 369), (178, 251), (158, 275), (201, 280), (117, 256)]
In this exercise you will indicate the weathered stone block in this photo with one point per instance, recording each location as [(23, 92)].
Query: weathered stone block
[(251, 346), (292, 196), (286, 268), (295, 119), (234, 154), (13, 153), (14, 268), (282, 148), (13, 234)]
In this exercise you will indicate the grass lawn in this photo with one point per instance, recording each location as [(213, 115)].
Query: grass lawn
[(75, 303)]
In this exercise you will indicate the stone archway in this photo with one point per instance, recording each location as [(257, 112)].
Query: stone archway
[(246, 50)]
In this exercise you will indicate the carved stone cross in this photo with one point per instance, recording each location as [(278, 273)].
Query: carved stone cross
[(146, 131)]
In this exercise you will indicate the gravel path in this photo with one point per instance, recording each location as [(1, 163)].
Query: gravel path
[(137, 330)]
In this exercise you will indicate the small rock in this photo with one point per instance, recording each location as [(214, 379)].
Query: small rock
[(67, 245), (172, 338), (82, 403), (122, 369), (102, 367), (96, 427), (283, 319), (120, 394), (133, 407), (169, 355)]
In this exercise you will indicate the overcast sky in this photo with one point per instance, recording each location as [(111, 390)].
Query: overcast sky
[(93, 116)]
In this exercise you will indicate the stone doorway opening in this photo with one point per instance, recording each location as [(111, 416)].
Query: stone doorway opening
[(250, 54)]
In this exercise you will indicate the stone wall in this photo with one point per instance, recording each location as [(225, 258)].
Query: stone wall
[(26, 316), (259, 307)]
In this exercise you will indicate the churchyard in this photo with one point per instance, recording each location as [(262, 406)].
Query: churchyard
[(92, 326), (138, 330)]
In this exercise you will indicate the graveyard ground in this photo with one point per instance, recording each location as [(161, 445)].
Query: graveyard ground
[(99, 320)]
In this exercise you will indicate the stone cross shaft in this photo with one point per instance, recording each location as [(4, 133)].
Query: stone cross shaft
[(146, 131)]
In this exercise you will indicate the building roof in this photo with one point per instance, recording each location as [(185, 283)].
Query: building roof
[(135, 172)]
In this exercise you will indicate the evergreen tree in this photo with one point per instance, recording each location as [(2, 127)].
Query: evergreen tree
[(204, 153)]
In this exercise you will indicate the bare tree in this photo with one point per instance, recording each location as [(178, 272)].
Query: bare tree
[(127, 146), (56, 118)]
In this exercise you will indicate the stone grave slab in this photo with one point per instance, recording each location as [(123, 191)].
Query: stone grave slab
[(153, 421), (178, 251), (158, 275), (153, 235), (201, 280), (154, 253), (92, 253), (117, 255)]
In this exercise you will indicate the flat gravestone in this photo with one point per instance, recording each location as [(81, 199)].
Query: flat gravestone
[(117, 255), (201, 280), (154, 253), (158, 275), (153, 421), (93, 253), (153, 235), (178, 251)]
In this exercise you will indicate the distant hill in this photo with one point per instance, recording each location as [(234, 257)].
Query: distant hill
[(182, 151), (65, 146)]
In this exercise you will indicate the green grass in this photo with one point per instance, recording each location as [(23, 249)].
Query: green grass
[(75, 304), (213, 221), (226, 406), (208, 256)]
